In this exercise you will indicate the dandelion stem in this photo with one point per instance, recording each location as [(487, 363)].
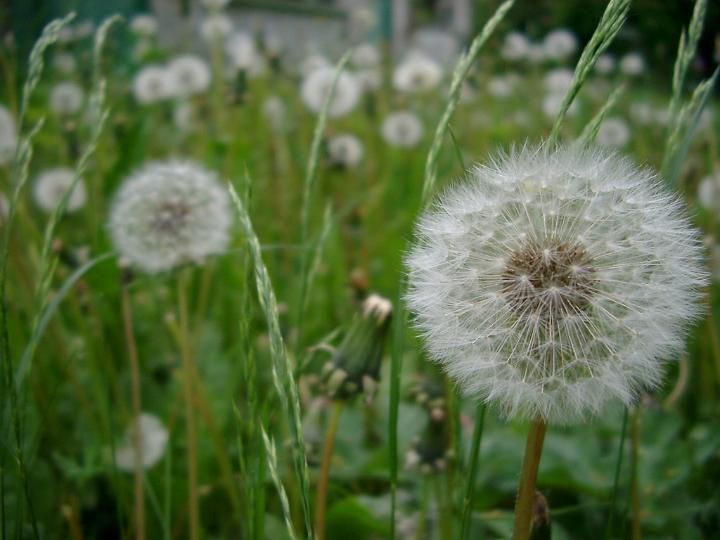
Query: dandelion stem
[(472, 472), (616, 480), (322, 487), (136, 408), (526, 491), (635, 486), (189, 405)]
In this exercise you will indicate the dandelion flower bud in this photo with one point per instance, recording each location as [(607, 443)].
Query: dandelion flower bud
[(66, 98), (554, 280), (316, 86), (50, 188), (170, 213), (402, 128), (8, 136), (153, 441), (355, 366)]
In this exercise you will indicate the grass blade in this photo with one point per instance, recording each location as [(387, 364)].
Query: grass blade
[(472, 470), (591, 129)]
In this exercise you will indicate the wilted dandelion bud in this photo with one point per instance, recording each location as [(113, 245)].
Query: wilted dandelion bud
[(345, 150), (66, 98), (152, 84), (153, 441), (430, 453), (8, 136), (355, 365), (190, 75), (613, 133), (316, 86), (51, 185), (418, 73), (170, 213), (402, 128), (555, 280)]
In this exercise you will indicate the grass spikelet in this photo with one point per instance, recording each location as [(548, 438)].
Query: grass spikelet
[(590, 131), (282, 370), (273, 467)]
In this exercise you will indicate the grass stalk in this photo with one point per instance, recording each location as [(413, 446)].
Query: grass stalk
[(616, 478), (188, 371), (324, 478), (635, 530), (138, 473), (472, 470), (528, 479)]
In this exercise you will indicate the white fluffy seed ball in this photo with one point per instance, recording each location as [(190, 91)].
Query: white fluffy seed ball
[(66, 98), (345, 149), (51, 185), (170, 213), (318, 83), (190, 75), (554, 280), (151, 84), (402, 128), (153, 441), (418, 73), (613, 133)]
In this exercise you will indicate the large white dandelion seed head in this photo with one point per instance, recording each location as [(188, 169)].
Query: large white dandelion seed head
[(402, 128), (552, 281), (345, 149), (66, 98), (560, 44), (317, 84), (153, 441), (151, 84), (51, 185), (417, 73), (8, 136), (170, 213), (190, 75), (613, 133)]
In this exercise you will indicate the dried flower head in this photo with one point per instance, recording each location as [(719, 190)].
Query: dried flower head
[(345, 149), (8, 135), (555, 280), (317, 85), (153, 441), (66, 98), (51, 185), (170, 213), (402, 128)]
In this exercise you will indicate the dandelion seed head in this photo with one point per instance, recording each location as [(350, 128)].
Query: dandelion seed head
[(553, 281), (243, 54), (345, 149), (366, 55), (152, 83), (316, 86), (66, 98), (613, 133), (65, 63), (632, 64), (709, 192), (8, 136), (418, 73), (605, 64), (153, 442), (216, 26), (402, 128), (51, 185), (516, 46), (189, 74), (560, 44), (144, 25), (170, 213)]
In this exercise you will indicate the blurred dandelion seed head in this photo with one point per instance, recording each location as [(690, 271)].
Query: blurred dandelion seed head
[(151, 84), (418, 73), (402, 128), (50, 187), (153, 442), (345, 149), (316, 86), (555, 280), (190, 75), (170, 213), (66, 98)]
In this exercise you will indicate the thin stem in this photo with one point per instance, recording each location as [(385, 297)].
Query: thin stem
[(635, 486), (616, 479), (322, 488), (136, 409), (473, 462), (186, 353), (526, 491)]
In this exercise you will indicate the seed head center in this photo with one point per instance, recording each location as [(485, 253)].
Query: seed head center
[(549, 280)]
